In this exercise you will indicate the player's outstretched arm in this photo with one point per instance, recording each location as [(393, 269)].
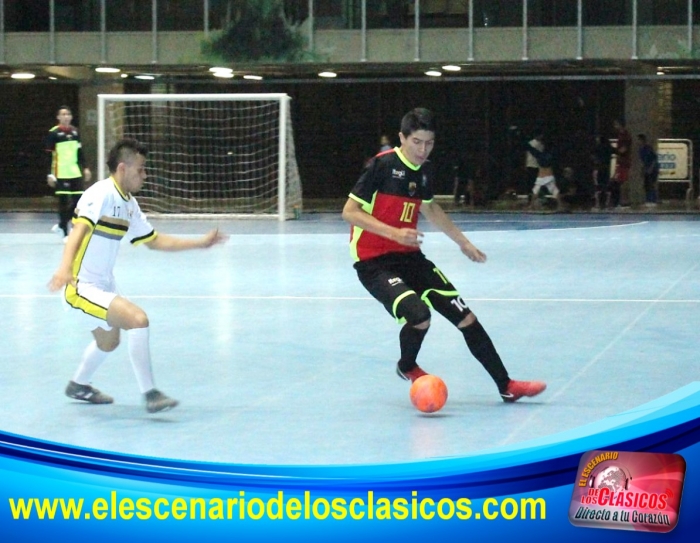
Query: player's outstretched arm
[(165, 242), (64, 274), (434, 213)]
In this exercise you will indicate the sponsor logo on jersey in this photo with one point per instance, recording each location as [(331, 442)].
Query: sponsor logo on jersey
[(398, 174), (395, 281)]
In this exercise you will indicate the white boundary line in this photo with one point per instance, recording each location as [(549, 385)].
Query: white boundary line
[(472, 232), (358, 298)]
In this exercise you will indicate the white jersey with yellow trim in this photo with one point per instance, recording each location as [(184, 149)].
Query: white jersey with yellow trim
[(111, 216)]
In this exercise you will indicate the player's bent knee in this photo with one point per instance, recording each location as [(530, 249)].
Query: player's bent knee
[(125, 315), (139, 320), (415, 311), (134, 321)]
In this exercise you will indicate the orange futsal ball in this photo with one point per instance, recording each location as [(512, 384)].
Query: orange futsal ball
[(428, 393)]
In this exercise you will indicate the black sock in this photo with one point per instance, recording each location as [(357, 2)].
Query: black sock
[(410, 339), (65, 214), (482, 348)]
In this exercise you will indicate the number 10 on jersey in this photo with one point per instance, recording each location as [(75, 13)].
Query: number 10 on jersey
[(409, 209)]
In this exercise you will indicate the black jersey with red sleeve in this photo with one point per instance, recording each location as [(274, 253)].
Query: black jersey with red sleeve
[(391, 189)]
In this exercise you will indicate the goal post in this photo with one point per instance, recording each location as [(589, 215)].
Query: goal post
[(208, 154)]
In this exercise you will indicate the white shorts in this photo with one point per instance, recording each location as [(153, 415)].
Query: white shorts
[(548, 182), (90, 302)]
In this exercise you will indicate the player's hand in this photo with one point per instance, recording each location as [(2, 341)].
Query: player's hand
[(51, 180), (87, 175), (474, 254), (409, 236), (214, 237), (60, 279)]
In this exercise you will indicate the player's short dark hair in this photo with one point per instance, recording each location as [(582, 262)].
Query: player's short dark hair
[(123, 151), (417, 119), (64, 107)]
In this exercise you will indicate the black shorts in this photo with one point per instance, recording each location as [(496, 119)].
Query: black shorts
[(392, 277), (69, 186)]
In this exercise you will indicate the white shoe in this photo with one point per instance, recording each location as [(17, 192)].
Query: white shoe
[(56, 228)]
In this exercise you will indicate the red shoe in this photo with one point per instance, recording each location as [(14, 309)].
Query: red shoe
[(410, 375), (518, 389)]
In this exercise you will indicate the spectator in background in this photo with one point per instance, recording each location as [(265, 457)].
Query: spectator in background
[(384, 146), (545, 175), (470, 182), (479, 186), (384, 143), (623, 163), (531, 164), (601, 157), (463, 183), (650, 169)]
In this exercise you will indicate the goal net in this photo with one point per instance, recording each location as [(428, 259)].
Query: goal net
[(208, 154)]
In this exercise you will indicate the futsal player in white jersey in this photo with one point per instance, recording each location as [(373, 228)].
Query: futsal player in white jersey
[(106, 213)]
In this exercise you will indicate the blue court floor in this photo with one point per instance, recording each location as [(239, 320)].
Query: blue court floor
[(279, 356)]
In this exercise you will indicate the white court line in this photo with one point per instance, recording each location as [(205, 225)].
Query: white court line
[(547, 229), (578, 376), (356, 298)]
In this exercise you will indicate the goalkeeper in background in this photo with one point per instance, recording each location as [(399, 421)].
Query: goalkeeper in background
[(107, 213), (67, 167)]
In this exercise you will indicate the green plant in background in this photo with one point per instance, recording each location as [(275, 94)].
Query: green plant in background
[(257, 31)]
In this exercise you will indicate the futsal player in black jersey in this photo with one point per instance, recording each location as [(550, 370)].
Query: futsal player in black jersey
[(385, 243)]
